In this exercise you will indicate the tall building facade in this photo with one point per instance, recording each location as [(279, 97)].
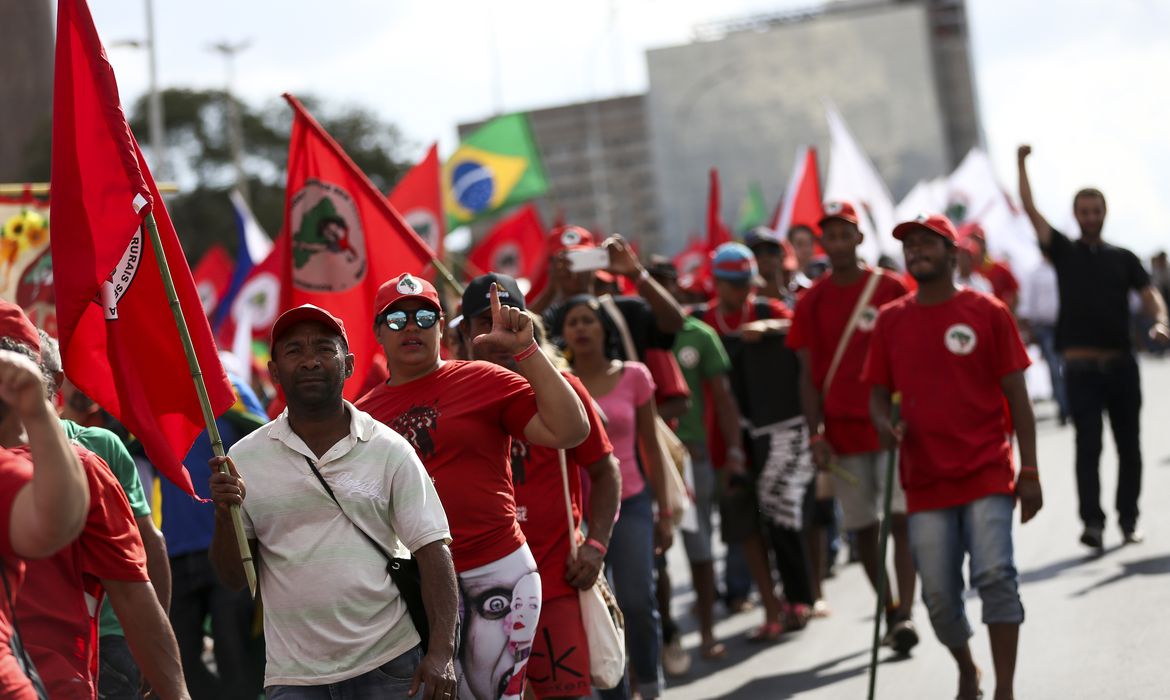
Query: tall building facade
[(746, 94)]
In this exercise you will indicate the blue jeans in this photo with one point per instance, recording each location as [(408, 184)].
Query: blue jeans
[(939, 539), (390, 680), (630, 560), (1046, 338)]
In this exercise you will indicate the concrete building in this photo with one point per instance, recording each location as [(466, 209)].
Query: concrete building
[(748, 93), (597, 158), (26, 33)]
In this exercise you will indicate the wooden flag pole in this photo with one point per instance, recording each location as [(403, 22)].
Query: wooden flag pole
[(447, 276), (882, 548), (201, 390)]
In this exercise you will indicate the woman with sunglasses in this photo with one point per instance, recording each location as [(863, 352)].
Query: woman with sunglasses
[(461, 417)]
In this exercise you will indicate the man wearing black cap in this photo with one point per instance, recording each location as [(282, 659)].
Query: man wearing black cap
[(955, 355), (559, 665), (327, 633), (1093, 334)]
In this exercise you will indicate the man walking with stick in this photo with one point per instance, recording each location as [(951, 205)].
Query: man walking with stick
[(955, 355)]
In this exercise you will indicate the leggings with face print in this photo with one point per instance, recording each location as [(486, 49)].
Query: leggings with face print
[(499, 610)]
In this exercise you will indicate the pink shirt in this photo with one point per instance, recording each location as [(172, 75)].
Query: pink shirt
[(620, 406)]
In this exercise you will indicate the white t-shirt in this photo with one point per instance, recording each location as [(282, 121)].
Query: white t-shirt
[(331, 611)]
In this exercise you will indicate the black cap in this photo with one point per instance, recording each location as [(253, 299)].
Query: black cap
[(662, 266), (477, 294)]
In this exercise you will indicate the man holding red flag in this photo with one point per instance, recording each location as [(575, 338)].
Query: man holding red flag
[(118, 343)]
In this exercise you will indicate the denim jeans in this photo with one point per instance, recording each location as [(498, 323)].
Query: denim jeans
[(940, 539), (1046, 338), (630, 560), (118, 674), (1114, 386), (390, 680)]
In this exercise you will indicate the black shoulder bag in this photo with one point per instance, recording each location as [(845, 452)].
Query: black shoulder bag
[(404, 572), (23, 660)]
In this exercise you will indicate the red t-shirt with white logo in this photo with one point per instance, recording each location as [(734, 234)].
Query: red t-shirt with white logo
[(461, 419), (947, 361), (818, 324), (15, 473), (540, 497), (58, 605)]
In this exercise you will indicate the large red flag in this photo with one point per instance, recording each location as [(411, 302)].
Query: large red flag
[(342, 239), (514, 246), (418, 196), (118, 337), (802, 205), (212, 277)]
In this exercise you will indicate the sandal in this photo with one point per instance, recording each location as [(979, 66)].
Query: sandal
[(821, 608), (796, 616), (713, 651), (766, 633)]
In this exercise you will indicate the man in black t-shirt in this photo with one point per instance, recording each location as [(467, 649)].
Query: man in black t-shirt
[(1093, 334)]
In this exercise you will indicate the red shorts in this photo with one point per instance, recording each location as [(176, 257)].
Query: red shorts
[(559, 665)]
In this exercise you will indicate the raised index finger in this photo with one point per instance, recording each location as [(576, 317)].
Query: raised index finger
[(494, 296)]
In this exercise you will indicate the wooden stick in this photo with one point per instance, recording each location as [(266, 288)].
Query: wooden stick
[(201, 391)]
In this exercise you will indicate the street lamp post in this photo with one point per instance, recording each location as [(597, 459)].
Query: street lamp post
[(235, 128)]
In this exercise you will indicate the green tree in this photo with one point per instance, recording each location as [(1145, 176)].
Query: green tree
[(200, 159)]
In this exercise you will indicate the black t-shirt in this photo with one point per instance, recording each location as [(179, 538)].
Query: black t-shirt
[(640, 319), (1094, 281)]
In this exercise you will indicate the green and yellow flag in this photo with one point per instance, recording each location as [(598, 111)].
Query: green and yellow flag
[(752, 212), (495, 166)]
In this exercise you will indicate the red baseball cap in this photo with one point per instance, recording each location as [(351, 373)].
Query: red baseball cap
[(14, 324), (972, 230), (306, 312), (839, 210), (937, 224), (405, 286), (568, 238)]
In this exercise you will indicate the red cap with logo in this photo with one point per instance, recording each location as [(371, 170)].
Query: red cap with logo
[(405, 286), (306, 312), (839, 210), (934, 223), (568, 238), (14, 324)]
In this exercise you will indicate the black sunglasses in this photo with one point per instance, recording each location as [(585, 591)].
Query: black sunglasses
[(423, 318)]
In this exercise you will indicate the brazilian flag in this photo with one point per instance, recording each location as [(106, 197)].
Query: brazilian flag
[(495, 166)]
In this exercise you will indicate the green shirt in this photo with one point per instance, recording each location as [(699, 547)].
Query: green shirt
[(700, 356), (106, 445)]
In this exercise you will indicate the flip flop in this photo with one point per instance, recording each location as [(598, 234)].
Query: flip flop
[(766, 633), (713, 652)]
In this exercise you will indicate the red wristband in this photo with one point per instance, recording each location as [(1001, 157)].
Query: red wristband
[(526, 352), (596, 545)]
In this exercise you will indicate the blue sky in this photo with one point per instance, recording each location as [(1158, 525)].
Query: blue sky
[(1084, 81)]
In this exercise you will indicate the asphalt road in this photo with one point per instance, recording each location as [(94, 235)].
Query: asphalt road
[(1097, 626)]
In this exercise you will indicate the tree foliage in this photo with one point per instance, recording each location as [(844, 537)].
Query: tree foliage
[(199, 157)]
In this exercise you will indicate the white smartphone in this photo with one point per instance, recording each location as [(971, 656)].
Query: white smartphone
[(588, 259)]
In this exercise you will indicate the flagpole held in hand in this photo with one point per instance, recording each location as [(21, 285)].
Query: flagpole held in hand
[(887, 498), (201, 392)]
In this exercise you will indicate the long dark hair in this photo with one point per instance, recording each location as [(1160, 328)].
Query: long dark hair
[(612, 342)]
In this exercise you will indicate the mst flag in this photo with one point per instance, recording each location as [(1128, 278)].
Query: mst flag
[(212, 277), (119, 343), (514, 246), (419, 199), (342, 239), (493, 167)]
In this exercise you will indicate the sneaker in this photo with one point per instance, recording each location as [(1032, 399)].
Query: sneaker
[(1134, 536), (675, 660), (1092, 537), (903, 637)]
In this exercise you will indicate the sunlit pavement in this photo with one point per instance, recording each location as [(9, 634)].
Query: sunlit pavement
[(1097, 626)]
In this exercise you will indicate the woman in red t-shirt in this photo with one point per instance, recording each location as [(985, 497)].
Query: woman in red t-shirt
[(461, 418), (625, 393)]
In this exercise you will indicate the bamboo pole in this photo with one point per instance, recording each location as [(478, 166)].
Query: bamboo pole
[(201, 391), (884, 543)]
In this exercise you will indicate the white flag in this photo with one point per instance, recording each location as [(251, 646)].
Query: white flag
[(853, 178)]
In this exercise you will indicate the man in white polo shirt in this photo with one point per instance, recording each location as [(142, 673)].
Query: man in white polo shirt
[(334, 623)]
